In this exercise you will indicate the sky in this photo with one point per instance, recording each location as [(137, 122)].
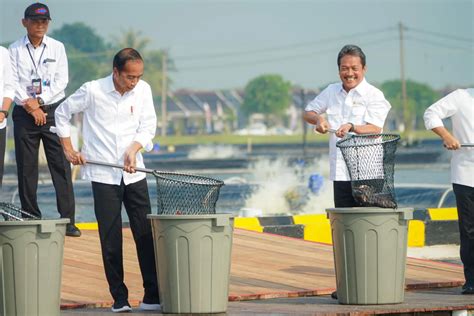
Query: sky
[(224, 44)]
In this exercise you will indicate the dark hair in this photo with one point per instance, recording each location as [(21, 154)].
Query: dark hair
[(124, 55), (352, 50)]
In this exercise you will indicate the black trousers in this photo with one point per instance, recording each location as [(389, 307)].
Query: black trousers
[(343, 194), (108, 201), (465, 204), (27, 141)]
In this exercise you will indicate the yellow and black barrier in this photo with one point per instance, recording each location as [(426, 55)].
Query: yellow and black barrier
[(433, 226), (428, 227)]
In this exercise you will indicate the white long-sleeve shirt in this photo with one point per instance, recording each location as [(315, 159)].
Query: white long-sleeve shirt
[(47, 62), (361, 105), (111, 122), (459, 106), (7, 87)]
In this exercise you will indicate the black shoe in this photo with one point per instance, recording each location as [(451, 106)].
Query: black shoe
[(72, 231), (150, 303), (334, 295), (467, 289), (121, 307)]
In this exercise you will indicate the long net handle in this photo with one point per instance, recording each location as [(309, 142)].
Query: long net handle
[(108, 164), (467, 145)]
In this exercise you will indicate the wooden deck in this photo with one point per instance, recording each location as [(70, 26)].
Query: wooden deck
[(263, 266)]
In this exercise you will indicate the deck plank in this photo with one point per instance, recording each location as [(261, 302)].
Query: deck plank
[(262, 264)]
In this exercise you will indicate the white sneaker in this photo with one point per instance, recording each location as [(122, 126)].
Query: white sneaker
[(150, 307)]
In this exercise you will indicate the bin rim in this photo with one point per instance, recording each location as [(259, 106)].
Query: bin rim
[(35, 222), (370, 210), (185, 217)]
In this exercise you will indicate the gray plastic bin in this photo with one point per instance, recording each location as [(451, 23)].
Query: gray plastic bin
[(193, 256), (31, 259), (370, 246)]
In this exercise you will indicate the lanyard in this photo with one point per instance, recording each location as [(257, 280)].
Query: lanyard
[(39, 61)]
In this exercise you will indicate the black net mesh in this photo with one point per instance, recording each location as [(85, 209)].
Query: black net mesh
[(370, 160), (11, 212), (186, 194)]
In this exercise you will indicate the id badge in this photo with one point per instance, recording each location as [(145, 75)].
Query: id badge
[(36, 84)]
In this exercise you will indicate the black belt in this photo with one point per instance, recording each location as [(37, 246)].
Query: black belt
[(52, 106)]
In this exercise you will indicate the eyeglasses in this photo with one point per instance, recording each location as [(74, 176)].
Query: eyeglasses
[(39, 21)]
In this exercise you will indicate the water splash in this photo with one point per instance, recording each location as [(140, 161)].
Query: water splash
[(215, 152), (283, 187)]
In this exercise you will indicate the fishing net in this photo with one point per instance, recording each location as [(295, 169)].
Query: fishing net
[(185, 194), (370, 160), (11, 212)]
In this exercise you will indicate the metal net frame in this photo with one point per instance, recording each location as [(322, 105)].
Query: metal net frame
[(185, 194), (11, 212), (370, 160)]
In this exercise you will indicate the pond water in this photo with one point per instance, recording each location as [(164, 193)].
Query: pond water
[(270, 186)]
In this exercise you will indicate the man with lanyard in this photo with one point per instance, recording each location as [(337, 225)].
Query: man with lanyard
[(118, 121), (40, 71), (7, 92), (459, 107), (352, 105)]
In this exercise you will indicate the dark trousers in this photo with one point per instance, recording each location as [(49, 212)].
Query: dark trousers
[(3, 143), (108, 201), (465, 204), (27, 141), (343, 194)]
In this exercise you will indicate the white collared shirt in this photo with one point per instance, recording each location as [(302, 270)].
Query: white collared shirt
[(111, 122), (47, 62), (361, 105), (7, 87), (459, 106)]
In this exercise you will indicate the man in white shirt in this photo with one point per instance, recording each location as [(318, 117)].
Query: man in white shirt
[(352, 105), (40, 72), (118, 120), (459, 106), (7, 92)]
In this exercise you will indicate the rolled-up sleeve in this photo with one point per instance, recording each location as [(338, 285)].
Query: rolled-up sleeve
[(147, 126), (75, 103), (320, 103), (437, 112), (377, 110)]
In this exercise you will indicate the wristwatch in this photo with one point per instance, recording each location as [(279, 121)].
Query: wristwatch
[(4, 113), (40, 101), (352, 126)]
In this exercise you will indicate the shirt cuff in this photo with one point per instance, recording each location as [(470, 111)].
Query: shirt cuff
[(64, 132), (145, 141)]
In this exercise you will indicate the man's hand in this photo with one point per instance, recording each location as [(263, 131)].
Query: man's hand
[(322, 126), (39, 116), (343, 130), (130, 157), (74, 157), (2, 117), (30, 105), (450, 142)]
